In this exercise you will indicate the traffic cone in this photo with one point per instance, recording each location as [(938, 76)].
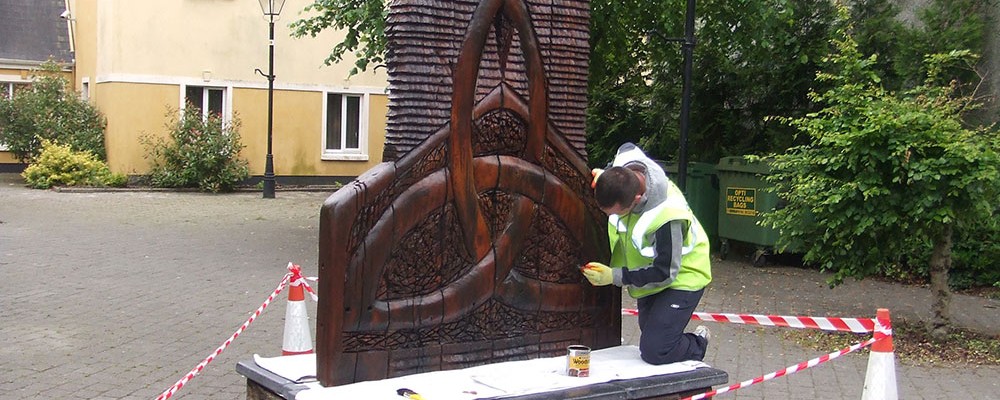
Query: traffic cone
[(297, 339), (880, 380)]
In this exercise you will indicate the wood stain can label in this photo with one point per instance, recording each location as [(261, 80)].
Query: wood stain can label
[(578, 360)]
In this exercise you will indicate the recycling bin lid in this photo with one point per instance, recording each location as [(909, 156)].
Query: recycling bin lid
[(742, 164)]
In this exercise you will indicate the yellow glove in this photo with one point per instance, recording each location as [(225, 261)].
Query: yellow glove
[(596, 172), (598, 274)]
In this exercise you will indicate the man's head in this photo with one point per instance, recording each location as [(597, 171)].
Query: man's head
[(618, 190)]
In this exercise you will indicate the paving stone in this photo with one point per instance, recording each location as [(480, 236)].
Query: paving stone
[(117, 295)]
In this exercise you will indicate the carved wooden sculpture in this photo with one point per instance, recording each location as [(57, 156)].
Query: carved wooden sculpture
[(466, 249)]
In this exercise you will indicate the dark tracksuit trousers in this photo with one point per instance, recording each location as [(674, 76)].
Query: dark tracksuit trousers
[(662, 318)]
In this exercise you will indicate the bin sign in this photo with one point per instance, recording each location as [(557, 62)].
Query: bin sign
[(741, 201)]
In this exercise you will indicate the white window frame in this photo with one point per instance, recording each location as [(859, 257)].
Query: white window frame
[(7, 86), (360, 153), (7, 89), (85, 88), (227, 100)]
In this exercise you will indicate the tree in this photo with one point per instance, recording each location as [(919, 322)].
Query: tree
[(754, 58), (939, 26), (629, 46), (882, 171), (48, 110), (757, 59), (363, 22), (943, 25)]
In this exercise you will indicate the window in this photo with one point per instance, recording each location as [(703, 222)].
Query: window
[(9, 89), (345, 133), (206, 99)]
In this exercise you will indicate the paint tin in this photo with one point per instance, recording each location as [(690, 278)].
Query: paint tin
[(578, 360)]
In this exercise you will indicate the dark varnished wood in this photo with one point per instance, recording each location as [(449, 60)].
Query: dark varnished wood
[(463, 247)]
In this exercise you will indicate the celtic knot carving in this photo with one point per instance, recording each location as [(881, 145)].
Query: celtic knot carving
[(550, 253), (425, 259), (490, 321), (499, 132), (463, 247)]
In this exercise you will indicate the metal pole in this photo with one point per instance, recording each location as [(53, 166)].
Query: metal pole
[(269, 166), (688, 50)]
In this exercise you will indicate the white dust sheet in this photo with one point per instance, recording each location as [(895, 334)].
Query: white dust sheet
[(505, 379)]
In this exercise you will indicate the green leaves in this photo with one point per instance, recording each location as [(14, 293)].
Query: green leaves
[(363, 21), (48, 109), (59, 165), (202, 152), (753, 59), (883, 172)]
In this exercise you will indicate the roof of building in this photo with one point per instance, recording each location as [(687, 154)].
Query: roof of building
[(33, 31)]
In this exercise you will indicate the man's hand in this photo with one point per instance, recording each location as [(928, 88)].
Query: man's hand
[(596, 172), (598, 274)]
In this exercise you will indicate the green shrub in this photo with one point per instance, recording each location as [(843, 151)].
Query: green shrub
[(59, 165), (201, 152), (48, 110), (975, 257), (900, 169)]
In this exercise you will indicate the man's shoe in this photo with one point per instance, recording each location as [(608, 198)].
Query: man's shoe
[(702, 330)]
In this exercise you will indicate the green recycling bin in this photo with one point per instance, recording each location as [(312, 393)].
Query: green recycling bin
[(702, 194), (742, 199)]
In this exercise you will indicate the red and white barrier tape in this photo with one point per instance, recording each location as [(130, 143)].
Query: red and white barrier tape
[(856, 325), (198, 368), (794, 368), (297, 279)]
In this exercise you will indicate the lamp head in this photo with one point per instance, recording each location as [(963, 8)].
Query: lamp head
[(271, 7)]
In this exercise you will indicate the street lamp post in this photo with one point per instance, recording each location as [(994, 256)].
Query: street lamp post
[(687, 46), (688, 50), (271, 10)]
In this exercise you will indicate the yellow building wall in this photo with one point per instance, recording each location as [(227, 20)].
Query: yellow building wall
[(225, 40), (11, 74), (376, 130), (139, 110), (298, 133), (84, 25), (142, 111), (136, 57)]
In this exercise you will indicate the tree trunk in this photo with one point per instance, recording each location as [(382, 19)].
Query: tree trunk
[(939, 266)]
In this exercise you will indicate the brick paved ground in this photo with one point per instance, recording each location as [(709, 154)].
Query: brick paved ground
[(117, 295)]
